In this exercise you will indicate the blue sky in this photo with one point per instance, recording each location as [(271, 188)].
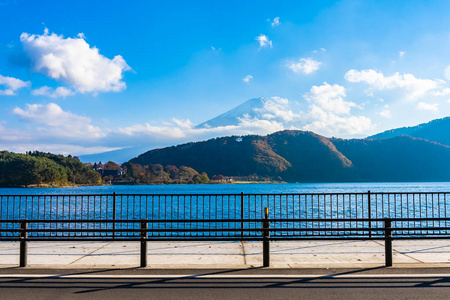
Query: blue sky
[(85, 77)]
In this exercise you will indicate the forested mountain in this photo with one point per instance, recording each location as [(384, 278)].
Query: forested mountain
[(436, 130), (39, 168), (298, 156), (274, 156), (401, 158)]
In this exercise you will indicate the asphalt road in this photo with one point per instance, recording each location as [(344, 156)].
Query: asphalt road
[(379, 283)]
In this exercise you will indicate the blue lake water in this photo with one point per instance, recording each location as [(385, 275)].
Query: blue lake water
[(282, 188), (223, 201)]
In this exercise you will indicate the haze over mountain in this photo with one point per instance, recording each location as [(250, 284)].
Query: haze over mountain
[(299, 156), (118, 156), (436, 130)]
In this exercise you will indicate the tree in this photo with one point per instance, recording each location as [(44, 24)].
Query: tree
[(111, 166)]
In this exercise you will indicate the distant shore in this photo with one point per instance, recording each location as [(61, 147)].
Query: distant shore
[(45, 185)]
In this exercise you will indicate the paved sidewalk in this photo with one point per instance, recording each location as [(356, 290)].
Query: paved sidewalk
[(287, 254)]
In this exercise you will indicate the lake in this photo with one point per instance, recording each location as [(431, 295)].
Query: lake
[(294, 200), (316, 201), (261, 188)]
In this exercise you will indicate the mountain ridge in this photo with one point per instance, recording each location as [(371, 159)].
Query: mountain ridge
[(302, 156), (436, 130)]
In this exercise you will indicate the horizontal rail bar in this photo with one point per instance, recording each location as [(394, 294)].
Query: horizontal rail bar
[(234, 220), (220, 239), (227, 195)]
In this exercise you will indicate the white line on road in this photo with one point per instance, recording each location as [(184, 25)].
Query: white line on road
[(212, 276)]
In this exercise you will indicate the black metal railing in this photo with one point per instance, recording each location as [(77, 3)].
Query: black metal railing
[(225, 216), (264, 230), (183, 209), (225, 206)]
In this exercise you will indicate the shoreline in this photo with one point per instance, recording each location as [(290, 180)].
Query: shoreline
[(43, 185)]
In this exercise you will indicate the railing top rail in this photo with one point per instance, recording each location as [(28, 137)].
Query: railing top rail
[(229, 220), (224, 194)]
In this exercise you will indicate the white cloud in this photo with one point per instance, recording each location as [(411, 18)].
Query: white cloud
[(264, 41), (52, 93), (330, 98), (414, 87), (183, 123), (277, 109), (321, 50), (276, 22), (58, 122), (12, 85), (254, 125), (174, 133), (327, 106), (428, 106), (160, 132), (247, 78), (330, 124), (401, 54), (57, 148), (305, 65), (386, 114), (74, 62), (443, 92)]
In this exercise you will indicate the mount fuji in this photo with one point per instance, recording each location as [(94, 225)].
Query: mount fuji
[(260, 108)]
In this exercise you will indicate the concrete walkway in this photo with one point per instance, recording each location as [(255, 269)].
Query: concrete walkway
[(289, 254)]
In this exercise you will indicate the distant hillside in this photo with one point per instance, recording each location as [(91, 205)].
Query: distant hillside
[(298, 156), (401, 158), (437, 130), (287, 155)]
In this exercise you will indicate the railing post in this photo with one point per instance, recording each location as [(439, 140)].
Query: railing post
[(266, 236), (114, 215), (388, 242), (144, 236), (242, 214), (23, 243), (369, 213)]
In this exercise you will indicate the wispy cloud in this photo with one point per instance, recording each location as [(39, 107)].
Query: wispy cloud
[(386, 113), (414, 87), (52, 93), (321, 50), (11, 85), (428, 106), (58, 122), (276, 22), (305, 65), (247, 78)]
